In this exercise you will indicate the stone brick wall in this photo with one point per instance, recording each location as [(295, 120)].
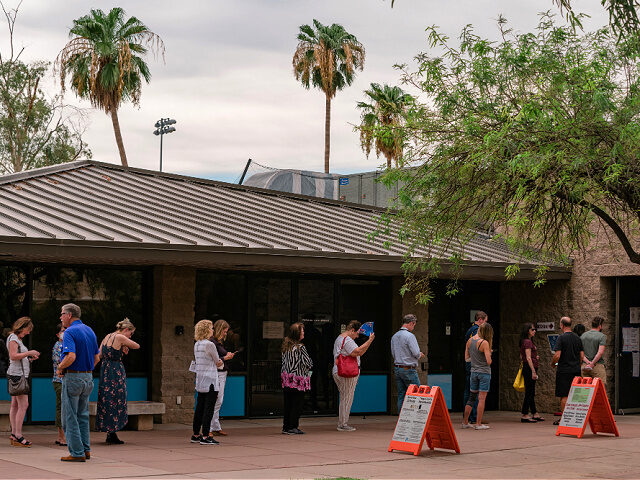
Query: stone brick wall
[(589, 292), (173, 305)]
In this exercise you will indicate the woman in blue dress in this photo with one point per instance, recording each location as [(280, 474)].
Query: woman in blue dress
[(111, 415)]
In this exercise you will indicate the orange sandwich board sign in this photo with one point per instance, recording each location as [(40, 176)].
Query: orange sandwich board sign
[(424, 416), (587, 402)]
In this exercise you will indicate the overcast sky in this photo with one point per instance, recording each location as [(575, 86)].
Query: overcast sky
[(227, 77)]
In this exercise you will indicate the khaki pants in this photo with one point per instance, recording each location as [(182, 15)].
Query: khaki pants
[(598, 371)]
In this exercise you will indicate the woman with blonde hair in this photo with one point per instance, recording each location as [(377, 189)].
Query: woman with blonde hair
[(207, 362), (111, 415), (17, 374), (220, 330), (478, 351), (296, 378)]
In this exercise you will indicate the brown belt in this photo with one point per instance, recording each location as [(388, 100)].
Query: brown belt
[(79, 371), (406, 367)]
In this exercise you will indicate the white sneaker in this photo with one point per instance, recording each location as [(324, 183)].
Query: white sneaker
[(347, 428), (467, 425), (481, 427)]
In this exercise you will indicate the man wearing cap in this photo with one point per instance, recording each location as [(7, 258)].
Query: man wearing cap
[(406, 355)]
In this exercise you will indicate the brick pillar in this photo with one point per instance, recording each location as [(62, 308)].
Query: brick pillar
[(173, 306)]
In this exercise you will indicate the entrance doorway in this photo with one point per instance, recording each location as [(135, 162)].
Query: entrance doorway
[(449, 319), (627, 383)]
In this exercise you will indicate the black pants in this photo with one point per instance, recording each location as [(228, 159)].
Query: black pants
[(293, 403), (205, 405), (529, 391)]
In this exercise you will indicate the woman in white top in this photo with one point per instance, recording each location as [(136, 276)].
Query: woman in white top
[(19, 358), (345, 345), (207, 363)]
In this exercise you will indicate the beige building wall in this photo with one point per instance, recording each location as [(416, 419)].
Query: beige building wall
[(589, 292)]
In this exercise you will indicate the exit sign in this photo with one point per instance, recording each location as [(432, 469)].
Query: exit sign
[(546, 326)]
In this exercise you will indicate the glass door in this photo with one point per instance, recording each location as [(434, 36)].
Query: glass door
[(315, 308), (270, 303)]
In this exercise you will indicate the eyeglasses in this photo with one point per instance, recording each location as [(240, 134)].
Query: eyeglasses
[(532, 329)]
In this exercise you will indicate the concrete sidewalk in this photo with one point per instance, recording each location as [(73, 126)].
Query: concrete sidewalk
[(257, 449)]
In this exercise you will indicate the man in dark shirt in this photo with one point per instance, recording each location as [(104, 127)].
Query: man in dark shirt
[(481, 318), (568, 357), (79, 357)]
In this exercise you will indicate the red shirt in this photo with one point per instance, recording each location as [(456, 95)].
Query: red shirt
[(534, 354)]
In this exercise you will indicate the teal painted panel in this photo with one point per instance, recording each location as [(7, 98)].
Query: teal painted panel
[(43, 397), (444, 381), (370, 395), (3, 390), (43, 400), (234, 397)]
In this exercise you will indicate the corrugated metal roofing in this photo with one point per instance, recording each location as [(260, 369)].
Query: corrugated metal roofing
[(94, 202)]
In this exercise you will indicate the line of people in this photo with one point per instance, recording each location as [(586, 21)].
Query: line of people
[(577, 353), (74, 356)]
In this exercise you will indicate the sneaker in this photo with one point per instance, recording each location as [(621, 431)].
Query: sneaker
[(291, 431), (297, 431), (481, 427), (347, 428), (467, 425), (208, 441), (195, 438)]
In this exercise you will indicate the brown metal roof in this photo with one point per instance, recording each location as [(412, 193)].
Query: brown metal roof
[(87, 203)]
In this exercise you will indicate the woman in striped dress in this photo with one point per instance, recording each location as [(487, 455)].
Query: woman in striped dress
[(296, 378)]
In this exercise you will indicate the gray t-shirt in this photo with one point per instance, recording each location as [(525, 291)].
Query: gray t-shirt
[(14, 365), (591, 341)]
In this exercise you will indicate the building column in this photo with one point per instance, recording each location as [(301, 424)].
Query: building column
[(173, 312)]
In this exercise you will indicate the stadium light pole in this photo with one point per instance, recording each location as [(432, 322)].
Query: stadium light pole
[(162, 127)]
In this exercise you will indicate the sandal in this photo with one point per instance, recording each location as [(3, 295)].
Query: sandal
[(527, 420), (62, 444), (538, 419), (20, 442)]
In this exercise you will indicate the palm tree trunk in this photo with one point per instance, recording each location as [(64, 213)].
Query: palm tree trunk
[(118, 134), (327, 133)]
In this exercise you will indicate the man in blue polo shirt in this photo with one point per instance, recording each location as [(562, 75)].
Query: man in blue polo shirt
[(79, 357)]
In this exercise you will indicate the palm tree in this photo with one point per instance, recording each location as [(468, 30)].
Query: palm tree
[(379, 121), (327, 57), (104, 60)]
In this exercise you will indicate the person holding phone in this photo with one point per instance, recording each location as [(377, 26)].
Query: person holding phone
[(220, 330)]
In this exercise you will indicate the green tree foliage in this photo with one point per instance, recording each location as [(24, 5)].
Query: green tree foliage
[(327, 58), (35, 130), (623, 14), (379, 120), (536, 135), (105, 61)]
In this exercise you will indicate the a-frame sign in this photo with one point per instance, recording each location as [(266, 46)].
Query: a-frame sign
[(424, 416), (587, 402)]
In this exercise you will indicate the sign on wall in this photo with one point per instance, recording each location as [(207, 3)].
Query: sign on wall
[(546, 326)]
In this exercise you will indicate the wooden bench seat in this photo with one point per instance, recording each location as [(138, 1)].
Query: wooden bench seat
[(140, 414)]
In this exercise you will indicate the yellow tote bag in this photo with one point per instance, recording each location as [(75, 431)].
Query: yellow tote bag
[(518, 383)]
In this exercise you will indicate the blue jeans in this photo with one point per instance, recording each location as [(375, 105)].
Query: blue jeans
[(404, 378), (76, 388), (467, 388)]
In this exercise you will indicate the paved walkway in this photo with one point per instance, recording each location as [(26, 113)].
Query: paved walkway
[(256, 449)]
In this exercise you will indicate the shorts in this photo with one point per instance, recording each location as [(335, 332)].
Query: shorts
[(563, 383), (480, 382)]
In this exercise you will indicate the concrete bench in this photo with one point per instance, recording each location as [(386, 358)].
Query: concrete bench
[(5, 424), (140, 414)]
